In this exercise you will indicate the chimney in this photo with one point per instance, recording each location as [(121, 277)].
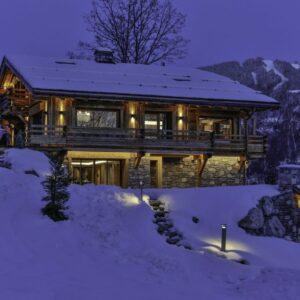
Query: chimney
[(104, 56)]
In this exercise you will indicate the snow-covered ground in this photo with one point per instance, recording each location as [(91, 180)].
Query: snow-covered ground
[(109, 249)]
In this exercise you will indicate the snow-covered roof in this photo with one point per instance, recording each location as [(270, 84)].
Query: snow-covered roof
[(89, 77)]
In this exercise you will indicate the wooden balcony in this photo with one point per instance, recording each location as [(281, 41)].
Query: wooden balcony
[(152, 141), (16, 98)]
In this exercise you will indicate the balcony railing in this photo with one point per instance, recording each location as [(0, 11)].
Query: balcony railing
[(144, 140), (17, 98)]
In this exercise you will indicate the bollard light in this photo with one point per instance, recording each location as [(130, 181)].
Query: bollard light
[(223, 240), (141, 190)]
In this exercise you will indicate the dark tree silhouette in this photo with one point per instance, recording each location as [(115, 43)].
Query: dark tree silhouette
[(137, 31), (56, 186)]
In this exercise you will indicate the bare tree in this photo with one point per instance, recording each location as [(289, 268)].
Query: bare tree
[(138, 31)]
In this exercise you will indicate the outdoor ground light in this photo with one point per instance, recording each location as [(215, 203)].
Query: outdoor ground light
[(223, 239), (141, 190)]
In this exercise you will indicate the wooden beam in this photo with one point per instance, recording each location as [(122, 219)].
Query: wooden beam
[(202, 161), (242, 163), (138, 159)]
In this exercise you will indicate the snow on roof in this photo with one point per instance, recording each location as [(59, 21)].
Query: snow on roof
[(131, 79)]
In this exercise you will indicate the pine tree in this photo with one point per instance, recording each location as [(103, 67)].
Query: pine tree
[(56, 186)]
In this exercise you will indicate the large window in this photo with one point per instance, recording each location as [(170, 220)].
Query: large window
[(97, 171), (98, 118)]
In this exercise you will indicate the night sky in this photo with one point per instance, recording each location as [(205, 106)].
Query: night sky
[(219, 30)]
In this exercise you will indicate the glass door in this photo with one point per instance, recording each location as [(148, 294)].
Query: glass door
[(158, 124), (108, 172)]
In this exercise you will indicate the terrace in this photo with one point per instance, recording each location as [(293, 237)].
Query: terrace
[(146, 140)]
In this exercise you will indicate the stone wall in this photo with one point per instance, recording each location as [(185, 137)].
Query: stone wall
[(142, 173), (274, 216), (288, 176), (183, 172), (221, 170), (180, 172)]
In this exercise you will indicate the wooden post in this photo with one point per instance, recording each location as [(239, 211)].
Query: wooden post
[(253, 125), (138, 159), (246, 134), (202, 161)]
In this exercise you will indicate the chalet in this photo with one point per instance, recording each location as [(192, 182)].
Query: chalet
[(121, 124)]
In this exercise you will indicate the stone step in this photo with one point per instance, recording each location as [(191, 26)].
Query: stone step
[(159, 220), (158, 208), (156, 203), (173, 241), (164, 226), (173, 234), (160, 214)]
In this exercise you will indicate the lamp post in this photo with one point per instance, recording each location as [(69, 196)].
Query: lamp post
[(141, 190), (223, 240)]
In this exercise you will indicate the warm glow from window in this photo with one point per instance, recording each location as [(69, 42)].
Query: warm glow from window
[(151, 123), (100, 162), (83, 163)]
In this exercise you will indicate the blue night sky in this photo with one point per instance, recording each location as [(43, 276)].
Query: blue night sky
[(219, 30)]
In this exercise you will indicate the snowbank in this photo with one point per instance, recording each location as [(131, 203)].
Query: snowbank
[(26, 160), (109, 249), (227, 205)]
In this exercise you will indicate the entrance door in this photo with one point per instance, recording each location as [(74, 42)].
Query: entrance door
[(108, 172)]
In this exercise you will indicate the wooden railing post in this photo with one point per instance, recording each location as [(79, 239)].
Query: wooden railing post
[(142, 133), (246, 134)]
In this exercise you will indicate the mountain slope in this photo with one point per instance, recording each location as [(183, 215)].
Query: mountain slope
[(280, 80)]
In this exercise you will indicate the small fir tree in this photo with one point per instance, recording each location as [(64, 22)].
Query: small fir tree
[(56, 186)]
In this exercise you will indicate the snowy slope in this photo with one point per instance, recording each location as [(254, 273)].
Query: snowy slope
[(109, 249), (228, 205), (269, 65)]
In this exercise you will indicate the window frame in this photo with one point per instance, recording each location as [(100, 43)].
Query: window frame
[(117, 111)]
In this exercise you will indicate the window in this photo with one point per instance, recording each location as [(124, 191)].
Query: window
[(98, 118), (97, 171), (216, 125), (158, 121)]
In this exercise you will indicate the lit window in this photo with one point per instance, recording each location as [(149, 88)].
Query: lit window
[(98, 118)]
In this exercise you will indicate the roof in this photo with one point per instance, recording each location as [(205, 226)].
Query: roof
[(89, 77)]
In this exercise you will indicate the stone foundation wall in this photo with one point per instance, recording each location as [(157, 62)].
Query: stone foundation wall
[(183, 172), (221, 170), (142, 173), (288, 176), (276, 216), (178, 172)]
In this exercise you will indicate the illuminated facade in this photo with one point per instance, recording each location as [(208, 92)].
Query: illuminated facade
[(122, 124)]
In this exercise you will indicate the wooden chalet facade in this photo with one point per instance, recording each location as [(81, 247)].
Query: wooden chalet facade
[(121, 124)]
